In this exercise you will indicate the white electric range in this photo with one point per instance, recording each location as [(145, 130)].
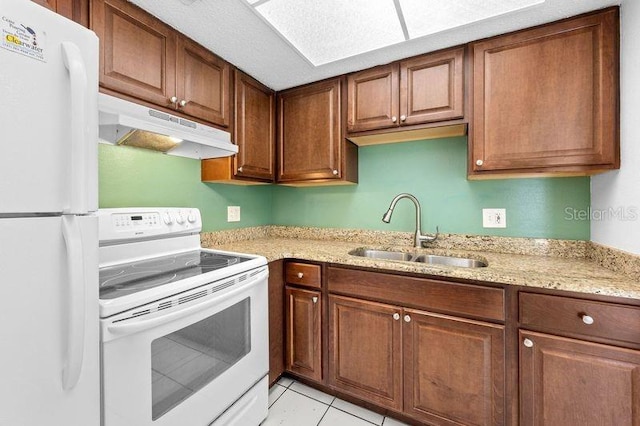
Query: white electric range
[(183, 329)]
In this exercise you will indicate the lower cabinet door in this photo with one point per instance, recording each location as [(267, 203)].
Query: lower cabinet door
[(453, 370), (304, 343), (365, 350), (572, 382)]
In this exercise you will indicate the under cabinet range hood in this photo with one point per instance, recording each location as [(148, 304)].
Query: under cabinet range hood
[(126, 123)]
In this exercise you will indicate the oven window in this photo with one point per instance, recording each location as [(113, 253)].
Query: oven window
[(188, 359)]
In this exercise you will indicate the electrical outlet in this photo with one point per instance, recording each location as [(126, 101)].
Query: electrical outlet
[(233, 213), (494, 218)]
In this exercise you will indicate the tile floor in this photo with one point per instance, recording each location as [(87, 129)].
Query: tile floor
[(293, 404)]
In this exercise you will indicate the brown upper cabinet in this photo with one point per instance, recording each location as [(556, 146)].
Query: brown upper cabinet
[(76, 10), (143, 58), (423, 89), (254, 133), (311, 144), (546, 99)]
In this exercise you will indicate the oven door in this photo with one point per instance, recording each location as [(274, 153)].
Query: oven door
[(184, 360)]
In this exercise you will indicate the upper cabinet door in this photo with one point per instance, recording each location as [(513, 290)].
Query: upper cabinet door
[(546, 98), (373, 99), (432, 87), (255, 132), (76, 10), (137, 52), (310, 132), (203, 83)]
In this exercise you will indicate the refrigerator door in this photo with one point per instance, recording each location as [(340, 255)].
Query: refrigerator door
[(49, 327), (48, 113)]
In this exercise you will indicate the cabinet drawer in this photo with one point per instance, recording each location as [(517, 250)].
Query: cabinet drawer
[(564, 314), (425, 294), (303, 274)]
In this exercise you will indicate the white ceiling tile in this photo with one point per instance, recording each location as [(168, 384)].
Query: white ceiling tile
[(330, 30), (430, 17), (233, 30)]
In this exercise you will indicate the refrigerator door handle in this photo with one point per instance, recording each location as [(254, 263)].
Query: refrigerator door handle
[(79, 128), (76, 314)]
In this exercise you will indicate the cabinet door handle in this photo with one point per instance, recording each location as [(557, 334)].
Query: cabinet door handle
[(315, 299), (173, 99), (403, 118), (300, 275), (335, 172), (407, 318), (396, 316), (586, 319), (240, 169), (479, 162), (394, 119), (527, 343), (183, 103)]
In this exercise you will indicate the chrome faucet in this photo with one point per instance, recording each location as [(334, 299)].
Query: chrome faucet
[(419, 239)]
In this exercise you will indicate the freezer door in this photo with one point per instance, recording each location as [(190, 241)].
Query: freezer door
[(45, 380), (48, 113)]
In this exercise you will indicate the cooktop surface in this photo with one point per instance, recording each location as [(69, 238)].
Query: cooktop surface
[(122, 280)]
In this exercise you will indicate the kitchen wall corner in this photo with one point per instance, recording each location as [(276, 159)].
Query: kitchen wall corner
[(615, 213)]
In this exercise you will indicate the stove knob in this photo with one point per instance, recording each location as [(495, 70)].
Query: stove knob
[(179, 218), (168, 220), (191, 218)]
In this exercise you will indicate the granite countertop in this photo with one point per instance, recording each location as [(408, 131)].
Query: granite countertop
[(577, 274)]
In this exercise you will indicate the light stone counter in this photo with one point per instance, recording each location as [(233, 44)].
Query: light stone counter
[(575, 271)]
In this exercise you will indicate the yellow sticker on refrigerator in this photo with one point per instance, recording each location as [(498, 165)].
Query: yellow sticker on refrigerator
[(23, 39)]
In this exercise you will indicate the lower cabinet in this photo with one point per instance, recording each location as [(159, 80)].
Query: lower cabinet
[(303, 332), (439, 369), (574, 382), (453, 369), (276, 321), (365, 350)]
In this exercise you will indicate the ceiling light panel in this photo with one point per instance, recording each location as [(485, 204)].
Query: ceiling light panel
[(329, 30), (429, 17)]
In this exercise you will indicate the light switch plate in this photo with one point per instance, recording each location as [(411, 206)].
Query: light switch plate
[(494, 218), (233, 213)]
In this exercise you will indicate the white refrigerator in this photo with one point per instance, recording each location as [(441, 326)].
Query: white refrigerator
[(49, 335)]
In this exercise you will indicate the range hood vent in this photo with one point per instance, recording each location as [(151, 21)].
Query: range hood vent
[(127, 123)]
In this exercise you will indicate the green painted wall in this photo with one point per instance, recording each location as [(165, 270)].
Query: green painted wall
[(142, 178), (434, 171)]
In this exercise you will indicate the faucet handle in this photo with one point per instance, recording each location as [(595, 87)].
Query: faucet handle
[(426, 239)]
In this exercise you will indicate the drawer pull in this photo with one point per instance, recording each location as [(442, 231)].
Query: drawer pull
[(527, 343), (586, 319), (300, 275), (407, 318), (315, 299), (396, 316)]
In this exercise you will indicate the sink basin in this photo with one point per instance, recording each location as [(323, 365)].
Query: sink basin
[(430, 259), (382, 254), (449, 261)]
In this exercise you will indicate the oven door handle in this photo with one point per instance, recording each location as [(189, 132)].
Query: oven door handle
[(141, 324)]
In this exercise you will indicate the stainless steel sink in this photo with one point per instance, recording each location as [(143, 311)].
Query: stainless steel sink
[(430, 259), (460, 262), (382, 254)]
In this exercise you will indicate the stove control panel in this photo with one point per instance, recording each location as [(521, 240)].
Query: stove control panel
[(146, 223)]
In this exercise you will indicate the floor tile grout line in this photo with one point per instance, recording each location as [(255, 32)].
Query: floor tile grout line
[(315, 399), (330, 404), (324, 414), (279, 396), (357, 416)]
